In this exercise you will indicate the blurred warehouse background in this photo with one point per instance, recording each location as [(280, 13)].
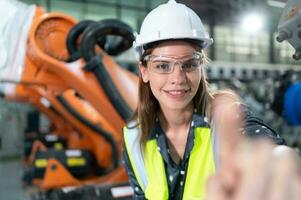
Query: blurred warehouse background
[(245, 56)]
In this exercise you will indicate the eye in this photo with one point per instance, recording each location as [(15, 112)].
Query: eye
[(190, 65), (162, 66)]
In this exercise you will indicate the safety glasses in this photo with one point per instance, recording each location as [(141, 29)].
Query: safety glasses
[(166, 65)]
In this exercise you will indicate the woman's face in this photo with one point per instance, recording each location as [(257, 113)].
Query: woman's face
[(173, 90)]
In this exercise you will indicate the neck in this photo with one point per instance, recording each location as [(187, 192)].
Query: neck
[(176, 124), (174, 121)]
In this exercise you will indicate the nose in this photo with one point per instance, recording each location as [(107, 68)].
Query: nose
[(177, 76)]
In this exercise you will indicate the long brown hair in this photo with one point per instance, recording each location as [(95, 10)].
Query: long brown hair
[(148, 106)]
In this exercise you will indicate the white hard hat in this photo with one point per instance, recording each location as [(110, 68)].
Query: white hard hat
[(171, 20)]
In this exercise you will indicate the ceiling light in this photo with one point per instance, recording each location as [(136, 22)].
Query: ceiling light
[(252, 23)]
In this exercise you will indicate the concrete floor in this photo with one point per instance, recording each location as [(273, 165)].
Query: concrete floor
[(10, 181)]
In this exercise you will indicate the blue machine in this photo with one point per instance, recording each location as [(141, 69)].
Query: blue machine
[(292, 104), (289, 29)]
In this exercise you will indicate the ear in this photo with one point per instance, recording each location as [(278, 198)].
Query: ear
[(144, 72)]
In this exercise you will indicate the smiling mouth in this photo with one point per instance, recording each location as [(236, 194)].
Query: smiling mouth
[(176, 93)]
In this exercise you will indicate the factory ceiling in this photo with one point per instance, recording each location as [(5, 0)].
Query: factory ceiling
[(230, 11)]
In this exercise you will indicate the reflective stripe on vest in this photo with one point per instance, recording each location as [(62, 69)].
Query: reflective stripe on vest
[(132, 145), (201, 165)]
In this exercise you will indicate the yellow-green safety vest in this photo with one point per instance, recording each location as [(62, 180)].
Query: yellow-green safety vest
[(149, 170)]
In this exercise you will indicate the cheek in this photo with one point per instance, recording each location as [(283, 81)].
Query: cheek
[(194, 81), (156, 84)]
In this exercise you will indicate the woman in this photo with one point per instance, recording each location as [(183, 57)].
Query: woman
[(170, 150)]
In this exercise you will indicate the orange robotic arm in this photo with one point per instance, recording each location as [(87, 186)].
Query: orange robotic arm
[(47, 71)]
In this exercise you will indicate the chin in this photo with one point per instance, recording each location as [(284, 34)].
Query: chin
[(176, 106)]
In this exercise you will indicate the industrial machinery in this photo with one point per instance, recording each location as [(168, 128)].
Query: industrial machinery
[(289, 26), (68, 65), (289, 87)]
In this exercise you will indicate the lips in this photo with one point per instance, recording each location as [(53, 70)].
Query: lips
[(176, 94)]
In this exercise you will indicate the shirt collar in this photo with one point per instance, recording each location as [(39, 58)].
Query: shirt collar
[(197, 121)]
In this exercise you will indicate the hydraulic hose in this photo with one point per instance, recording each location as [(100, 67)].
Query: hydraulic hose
[(94, 62), (72, 39), (108, 27), (107, 136), (113, 45), (103, 77)]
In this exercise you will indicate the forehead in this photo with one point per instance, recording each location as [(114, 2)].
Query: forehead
[(174, 48)]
